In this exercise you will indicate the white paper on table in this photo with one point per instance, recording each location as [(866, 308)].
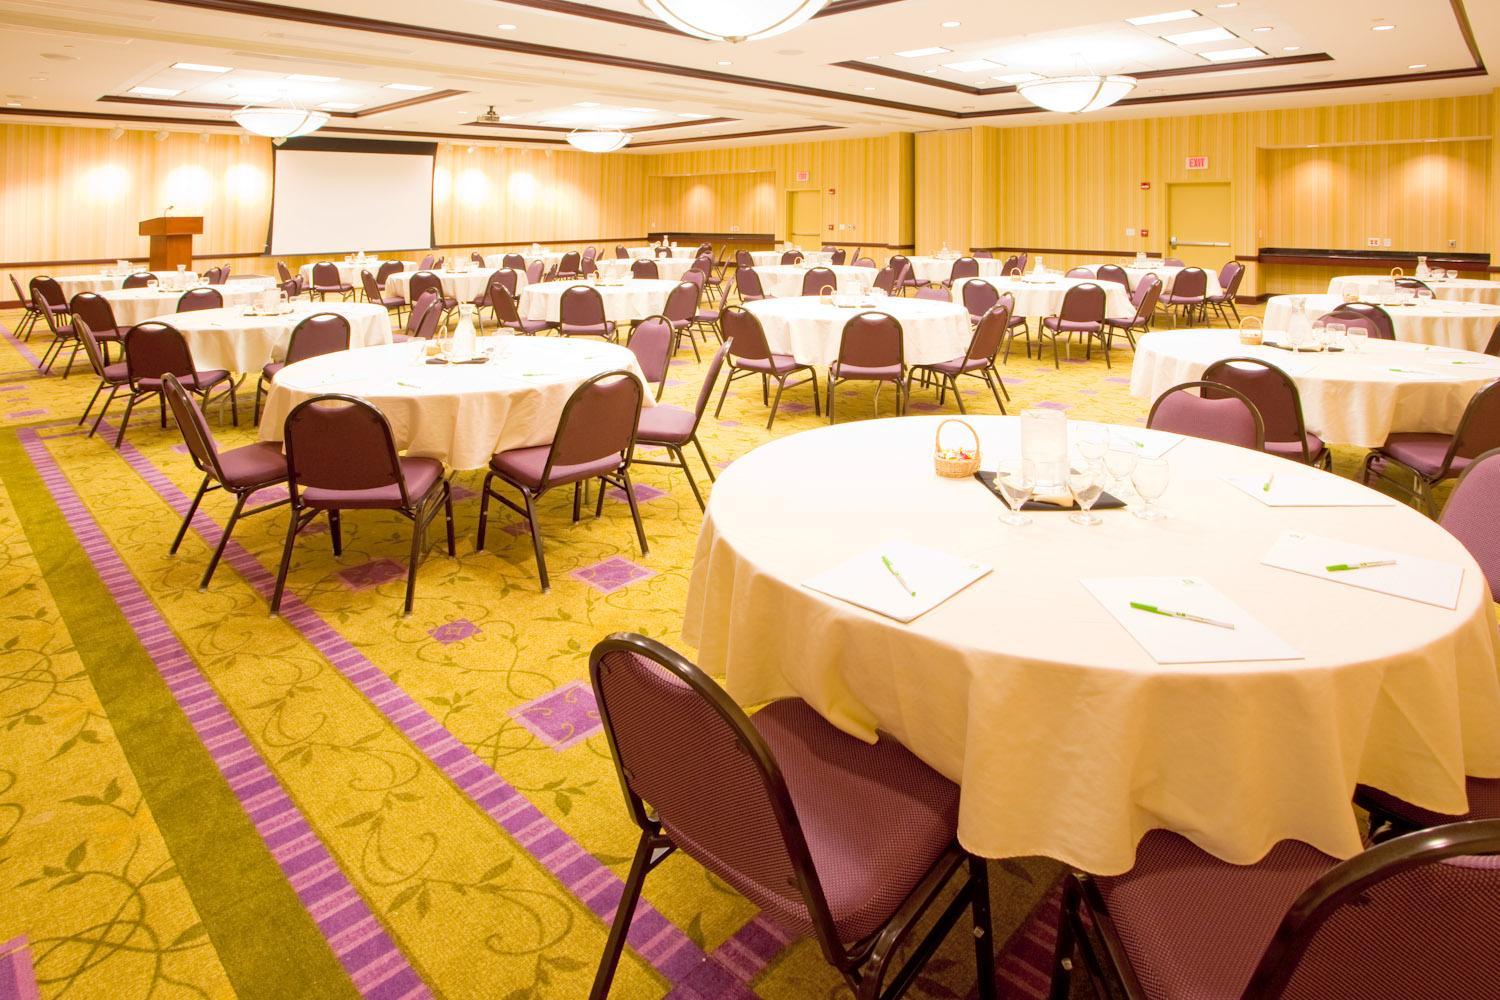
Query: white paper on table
[(1308, 489), (1176, 640), (1413, 373), (1414, 578), (865, 582), (1148, 444)]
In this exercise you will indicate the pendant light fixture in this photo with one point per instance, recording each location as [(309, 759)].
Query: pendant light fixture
[(733, 20)]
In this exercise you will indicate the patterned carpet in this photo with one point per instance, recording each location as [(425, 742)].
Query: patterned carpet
[(197, 800)]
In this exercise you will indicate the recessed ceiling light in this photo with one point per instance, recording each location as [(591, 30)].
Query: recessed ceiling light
[(1201, 36), (341, 106), (1230, 55), (202, 67), (312, 78), (506, 27), (930, 72), (1226, 6), (931, 50), (974, 66), (869, 88), (644, 111), (1171, 15), (1417, 66), (952, 24), (1263, 27), (725, 62), (1291, 48), (155, 91), (872, 58), (1015, 78), (690, 115), (586, 104), (1383, 27), (406, 86), (12, 104)]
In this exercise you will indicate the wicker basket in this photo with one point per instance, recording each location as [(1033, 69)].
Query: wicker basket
[(954, 468)]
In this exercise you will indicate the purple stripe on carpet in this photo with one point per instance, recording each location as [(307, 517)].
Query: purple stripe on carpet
[(20, 346), (245, 770), (17, 978), (660, 942)]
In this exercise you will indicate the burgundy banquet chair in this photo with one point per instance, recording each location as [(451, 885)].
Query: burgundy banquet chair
[(963, 267), (241, 472), (621, 253), (838, 256), (791, 257), (1279, 404), (681, 311), (139, 279), (978, 361), (1085, 273), (1145, 297), (288, 282), (1230, 276), (1189, 295), (533, 272), (1173, 262), (1375, 320), (1229, 416), (569, 265), (341, 455), (421, 318), (386, 269), (581, 313), (644, 267), (829, 836), (1115, 273), (509, 316), (113, 377), (95, 310), (595, 439), (750, 355), (30, 313), (906, 277), (320, 333), (60, 325), (1082, 312), (327, 280), (1429, 458), (195, 299), (747, 281), (708, 319), (979, 297), (426, 281), (674, 428), (885, 279), (819, 279), (514, 261), (871, 349), (1493, 347), (428, 262), (374, 293), (52, 296), (651, 343), (155, 350)]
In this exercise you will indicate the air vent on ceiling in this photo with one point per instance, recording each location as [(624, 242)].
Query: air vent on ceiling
[(488, 118)]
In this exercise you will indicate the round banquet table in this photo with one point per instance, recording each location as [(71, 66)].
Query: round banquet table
[(1045, 298), (678, 253), (784, 281), (460, 414), (1451, 289), (667, 268), (1350, 398), (809, 331), (227, 338), (1066, 738), (72, 284), (349, 269), (629, 300), (771, 258), (941, 268), (1168, 276), (136, 305), (460, 285), (1466, 326)]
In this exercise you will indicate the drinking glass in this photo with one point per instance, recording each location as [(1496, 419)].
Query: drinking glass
[(1319, 333), (1452, 274), (1358, 337), (1016, 486), (1150, 478), (1337, 334), (1093, 442), (1086, 485), (1120, 460)]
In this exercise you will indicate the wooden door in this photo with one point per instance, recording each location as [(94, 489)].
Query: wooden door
[(804, 218), (1199, 225)]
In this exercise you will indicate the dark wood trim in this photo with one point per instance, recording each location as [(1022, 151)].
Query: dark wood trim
[(1467, 30), (29, 264), (169, 102), (1366, 259), (648, 23), (690, 123), (410, 102), (740, 135), (1270, 62), (1150, 255)]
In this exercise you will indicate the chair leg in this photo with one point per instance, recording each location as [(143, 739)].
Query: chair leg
[(536, 538), (780, 387), (125, 420), (620, 929), (635, 509), (336, 532), (188, 518), (682, 460), (832, 386), (293, 525), (1062, 956), (418, 535), (260, 394), (448, 514), (103, 410), (484, 511), (813, 376), (984, 934), (704, 456), (957, 396), (234, 517), (992, 379), (728, 378)]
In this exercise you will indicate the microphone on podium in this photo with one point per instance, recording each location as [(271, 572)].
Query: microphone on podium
[(168, 210)]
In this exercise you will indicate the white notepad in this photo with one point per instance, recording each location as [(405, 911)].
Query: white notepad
[(1296, 488), (1176, 640), (1416, 579), (866, 582), (1415, 374), (1148, 444)]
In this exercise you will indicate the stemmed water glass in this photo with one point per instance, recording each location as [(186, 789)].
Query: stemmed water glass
[(1093, 442), (1150, 479), (1016, 486), (1120, 461), (1087, 485)]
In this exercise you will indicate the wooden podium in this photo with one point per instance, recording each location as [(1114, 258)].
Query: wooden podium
[(172, 240)]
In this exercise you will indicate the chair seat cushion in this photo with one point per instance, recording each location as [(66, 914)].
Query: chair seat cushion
[(1070, 325), (776, 364), (1194, 927), (1422, 453), (397, 302), (1120, 322), (1015, 321), (604, 329), (525, 466), (1182, 300), (198, 381), (259, 464), (420, 475), (1484, 803), (879, 373), (838, 784), (268, 372), (530, 325), (116, 374), (958, 366), (707, 316), (1293, 449), (666, 424), (333, 288)]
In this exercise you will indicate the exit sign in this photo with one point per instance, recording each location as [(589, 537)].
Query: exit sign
[(802, 176), (1197, 163)]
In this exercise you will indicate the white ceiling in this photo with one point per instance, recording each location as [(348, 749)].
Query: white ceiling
[(65, 55)]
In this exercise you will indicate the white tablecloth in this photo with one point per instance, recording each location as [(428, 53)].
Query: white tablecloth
[(1066, 738), (633, 299), (349, 270), (667, 268), (940, 268), (136, 305), (769, 258), (227, 338), (1466, 326), (72, 284), (1347, 397), (1168, 276), (461, 285), (1455, 290), (784, 281), (461, 414), (678, 253), (809, 331), (1045, 298)]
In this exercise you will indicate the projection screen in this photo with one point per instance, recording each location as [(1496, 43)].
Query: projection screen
[(346, 195)]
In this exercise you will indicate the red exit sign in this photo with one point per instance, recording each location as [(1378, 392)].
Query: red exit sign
[(802, 176), (1197, 163)]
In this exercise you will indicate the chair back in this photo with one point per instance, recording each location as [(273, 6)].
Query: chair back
[(710, 379), (681, 744), (644, 267), (1191, 282), (979, 297), (422, 320), (621, 253), (791, 257), (1012, 265), (437, 265), (506, 279), (1469, 515), (703, 264), (838, 257), (386, 269), (192, 424), (1411, 917), (817, 279), (865, 262), (651, 343), (218, 275), (534, 272), (1375, 320), (964, 267), (989, 335), (1493, 347), (1479, 427), (705, 247), (885, 279), (476, 258), (590, 252), (1113, 272), (1083, 304), (749, 284), (50, 290), (663, 251), (1172, 262), (325, 274), (1270, 389), (697, 278), (901, 264), (744, 334), (984, 254), (320, 333), (504, 305), (581, 305), (427, 261), (514, 261), (91, 348), (195, 299), (1147, 295), (426, 281), (155, 349), (283, 272), (139, 279), (1230, 276), (95, 310), (54, 324), (1080, 272), (588, 265), (598, 420), (682, 303), (935, 292), (1414, 283), (1230, 417), (21, 296), (371, 286), (211, 275), (339, 442), (742, 258), (568, 266), (1022, 260), (872, 340)]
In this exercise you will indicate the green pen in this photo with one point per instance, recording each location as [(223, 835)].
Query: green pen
[(1267, 487), (897, 574), (1345, 567), (1153, 609)]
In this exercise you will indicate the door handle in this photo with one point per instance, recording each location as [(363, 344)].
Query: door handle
[(1185, 243)]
